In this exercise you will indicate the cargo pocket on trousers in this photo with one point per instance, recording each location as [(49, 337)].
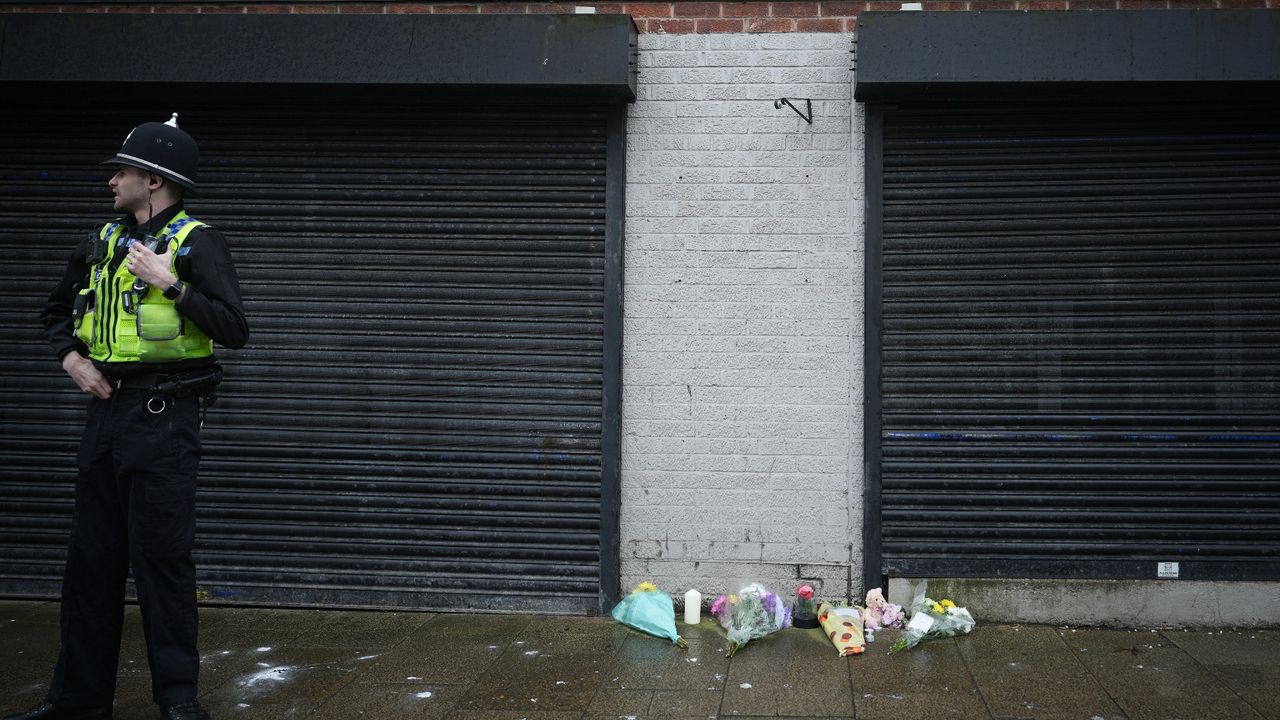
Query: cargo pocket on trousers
[(167, 515)]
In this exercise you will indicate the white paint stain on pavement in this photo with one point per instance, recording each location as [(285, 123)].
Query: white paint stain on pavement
[(279, 673), (423, 695)]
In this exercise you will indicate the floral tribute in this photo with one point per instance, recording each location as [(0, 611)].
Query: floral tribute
[(754, 612), (804, 597), (804, 611), (651, 611), (932, 619)]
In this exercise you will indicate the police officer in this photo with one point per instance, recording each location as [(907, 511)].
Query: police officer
[(133, 321)]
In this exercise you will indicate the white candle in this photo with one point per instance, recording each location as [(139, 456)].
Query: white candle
[(692, 607)]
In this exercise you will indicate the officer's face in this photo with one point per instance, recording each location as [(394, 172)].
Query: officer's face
[(130, 187)]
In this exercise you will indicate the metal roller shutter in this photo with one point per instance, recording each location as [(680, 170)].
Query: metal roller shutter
[(417, 420), (1079, 324)]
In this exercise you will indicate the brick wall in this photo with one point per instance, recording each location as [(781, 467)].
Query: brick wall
[(746, 16), (742, 332)]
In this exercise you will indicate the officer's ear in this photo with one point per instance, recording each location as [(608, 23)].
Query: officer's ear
[(154, 181)]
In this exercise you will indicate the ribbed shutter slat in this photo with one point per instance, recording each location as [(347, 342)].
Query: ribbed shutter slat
[(417, 421), (1079, 315)]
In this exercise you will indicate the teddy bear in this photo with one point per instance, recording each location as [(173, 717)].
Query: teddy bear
[(873, 615), (880, 614)]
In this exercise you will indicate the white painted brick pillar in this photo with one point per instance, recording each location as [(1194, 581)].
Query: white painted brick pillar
[(742, 351)]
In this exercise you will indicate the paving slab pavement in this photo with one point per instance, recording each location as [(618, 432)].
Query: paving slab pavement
[(276, 664)]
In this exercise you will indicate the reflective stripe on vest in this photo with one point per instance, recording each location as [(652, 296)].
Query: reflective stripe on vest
[(155, 331)]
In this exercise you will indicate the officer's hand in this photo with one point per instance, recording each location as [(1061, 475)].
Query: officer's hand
[(151, 268), (86, 375)]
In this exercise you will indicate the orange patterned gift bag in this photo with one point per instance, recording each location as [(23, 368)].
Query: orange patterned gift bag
[(844, 627)]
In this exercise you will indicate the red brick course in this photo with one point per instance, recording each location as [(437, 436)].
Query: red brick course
[(748, 9), (669, 25), (696, 9), (795, 9), (820, 25), (840, 9), (770, 25), (658, 10), (677, 16), (719, 25)]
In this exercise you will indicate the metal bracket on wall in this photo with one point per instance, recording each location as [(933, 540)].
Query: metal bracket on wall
[(808, 105)]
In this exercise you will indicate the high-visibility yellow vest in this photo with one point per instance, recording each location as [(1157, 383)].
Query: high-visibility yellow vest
[(146, 326)]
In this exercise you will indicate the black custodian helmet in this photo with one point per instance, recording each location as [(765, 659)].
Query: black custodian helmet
[(161, 148)]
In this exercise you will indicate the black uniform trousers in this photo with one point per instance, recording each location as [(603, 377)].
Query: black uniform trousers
[(135, 506)]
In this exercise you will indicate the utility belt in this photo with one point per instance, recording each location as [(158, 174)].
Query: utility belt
[(165, 387)]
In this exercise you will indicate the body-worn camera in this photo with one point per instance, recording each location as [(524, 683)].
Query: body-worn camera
[(95, 251), (152, 243), (133, 298), (149, 241)]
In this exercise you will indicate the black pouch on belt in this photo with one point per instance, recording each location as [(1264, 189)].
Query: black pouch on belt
[(201, 382)]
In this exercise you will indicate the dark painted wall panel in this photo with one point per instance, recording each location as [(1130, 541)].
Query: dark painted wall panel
[(592, 51), (940, 49)]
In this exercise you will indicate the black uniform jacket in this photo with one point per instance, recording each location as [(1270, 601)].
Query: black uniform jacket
[(212, 300)]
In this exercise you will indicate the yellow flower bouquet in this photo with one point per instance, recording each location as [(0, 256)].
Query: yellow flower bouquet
[(933, 619)]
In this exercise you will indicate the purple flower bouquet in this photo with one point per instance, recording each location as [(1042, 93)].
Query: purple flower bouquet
[(755, 611)]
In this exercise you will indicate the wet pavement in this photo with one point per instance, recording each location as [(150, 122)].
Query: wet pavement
[(325, 665)]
